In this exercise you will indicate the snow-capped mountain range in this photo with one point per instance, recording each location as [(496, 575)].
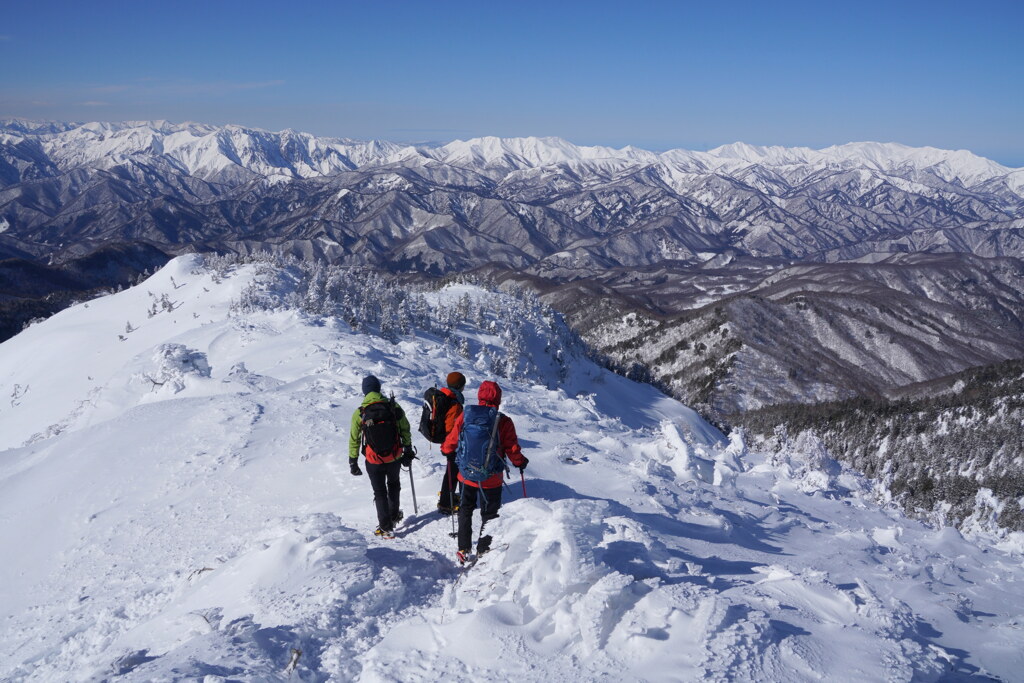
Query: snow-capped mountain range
[(176, 505), (656, 233), (541, 204), (206, 151)]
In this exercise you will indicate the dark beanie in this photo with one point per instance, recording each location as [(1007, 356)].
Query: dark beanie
[(457, 381), (370, 383)]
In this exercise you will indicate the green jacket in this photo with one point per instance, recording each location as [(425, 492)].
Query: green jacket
[(355, 432)]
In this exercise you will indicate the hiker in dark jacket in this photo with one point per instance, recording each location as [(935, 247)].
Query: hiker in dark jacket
[(447, 499), (380, 431), (486, 494)]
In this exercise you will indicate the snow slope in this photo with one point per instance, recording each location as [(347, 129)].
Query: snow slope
[(177, 506)]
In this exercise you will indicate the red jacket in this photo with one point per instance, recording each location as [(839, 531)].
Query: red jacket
[(508, 442)]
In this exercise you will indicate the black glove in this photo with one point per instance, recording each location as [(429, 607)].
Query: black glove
[(450, 456), (408, 455), (354, 468), (526, 461)]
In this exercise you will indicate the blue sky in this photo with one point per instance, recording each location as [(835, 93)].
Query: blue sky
[(656, 75)]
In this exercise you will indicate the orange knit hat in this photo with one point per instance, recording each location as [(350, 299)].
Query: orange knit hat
[(456, 380)]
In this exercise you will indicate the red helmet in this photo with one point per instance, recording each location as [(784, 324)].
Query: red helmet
[(489, 394)]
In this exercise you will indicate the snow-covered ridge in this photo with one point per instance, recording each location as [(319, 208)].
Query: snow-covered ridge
[(948, 164), (207, 150), (191, 516), (202, 150)]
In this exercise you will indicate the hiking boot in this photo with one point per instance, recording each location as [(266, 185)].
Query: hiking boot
[(445, 510), (462, 556), (398, 517), (483, 545), (384, 533)]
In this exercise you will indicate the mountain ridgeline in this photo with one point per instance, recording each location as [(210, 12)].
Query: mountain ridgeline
[(540, 205)]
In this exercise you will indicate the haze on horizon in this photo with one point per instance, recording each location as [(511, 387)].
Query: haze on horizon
[(656, 75)]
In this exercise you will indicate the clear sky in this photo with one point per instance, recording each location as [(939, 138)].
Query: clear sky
[(657, 75)]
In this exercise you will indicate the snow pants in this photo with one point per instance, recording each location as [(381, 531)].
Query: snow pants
[(449, 486), (488, 500), (387, 491)]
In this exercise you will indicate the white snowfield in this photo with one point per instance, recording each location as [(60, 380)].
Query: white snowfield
[(177, 505)]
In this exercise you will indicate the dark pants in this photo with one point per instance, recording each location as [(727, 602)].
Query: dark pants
[(488, 500), (449, 496), (386, 491)]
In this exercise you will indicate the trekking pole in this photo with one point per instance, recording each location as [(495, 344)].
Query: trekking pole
[(522, 477), (412, 485)]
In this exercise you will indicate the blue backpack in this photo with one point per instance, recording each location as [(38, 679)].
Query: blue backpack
[(477, 452)]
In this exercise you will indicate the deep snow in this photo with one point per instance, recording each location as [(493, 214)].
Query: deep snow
[(177, 505)]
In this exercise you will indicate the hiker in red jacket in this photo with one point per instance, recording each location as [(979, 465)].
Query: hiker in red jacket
[(447, 498), (485, 494)]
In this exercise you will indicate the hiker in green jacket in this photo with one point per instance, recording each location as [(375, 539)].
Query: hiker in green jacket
[(380, 431)]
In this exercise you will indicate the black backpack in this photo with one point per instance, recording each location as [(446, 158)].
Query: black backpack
[(380, 429), (436, 405)]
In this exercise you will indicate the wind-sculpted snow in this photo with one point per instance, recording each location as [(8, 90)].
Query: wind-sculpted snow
[(214, 531)]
